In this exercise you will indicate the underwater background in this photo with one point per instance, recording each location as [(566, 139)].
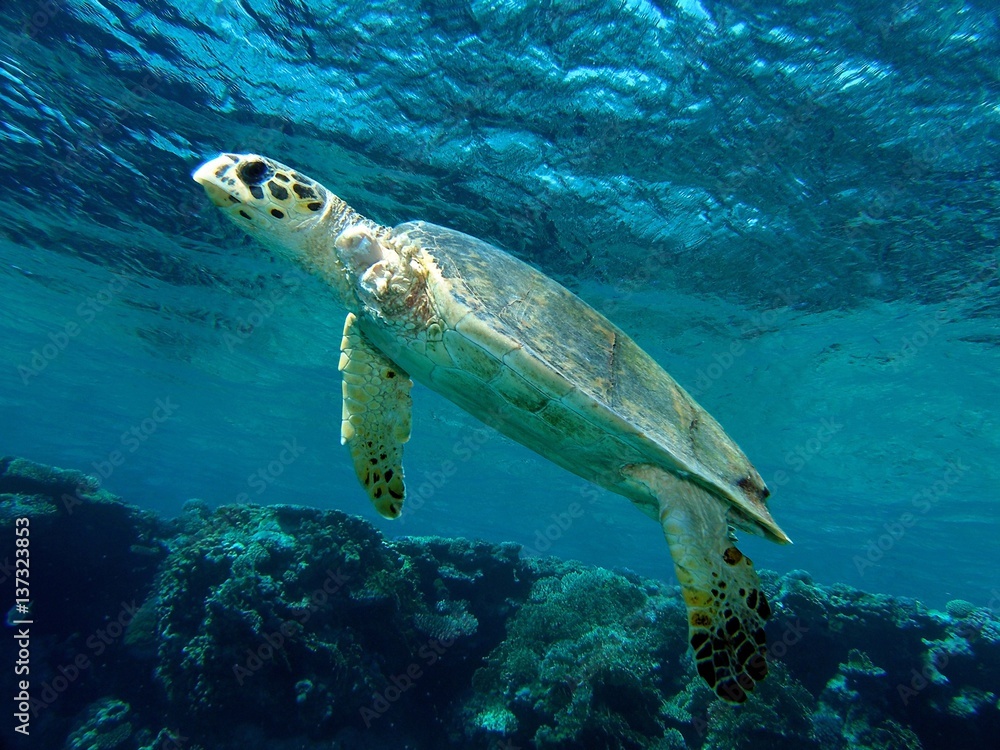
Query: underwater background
[(793, 207)]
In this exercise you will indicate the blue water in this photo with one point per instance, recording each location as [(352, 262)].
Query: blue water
[(793, 209)]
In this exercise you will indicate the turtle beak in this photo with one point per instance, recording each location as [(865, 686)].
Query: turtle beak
[(210, 175)]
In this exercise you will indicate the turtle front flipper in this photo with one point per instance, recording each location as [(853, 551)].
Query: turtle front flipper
[(726, 606), (376, 419)]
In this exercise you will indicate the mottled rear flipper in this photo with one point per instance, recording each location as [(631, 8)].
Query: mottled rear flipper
[(726, 607)]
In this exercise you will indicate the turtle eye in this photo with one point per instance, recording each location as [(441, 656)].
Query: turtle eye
[(253, 172)]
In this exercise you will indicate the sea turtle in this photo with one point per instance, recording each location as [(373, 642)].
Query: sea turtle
[(523, 354)]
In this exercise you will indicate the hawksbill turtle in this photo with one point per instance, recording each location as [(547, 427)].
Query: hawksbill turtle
[(523, 354)]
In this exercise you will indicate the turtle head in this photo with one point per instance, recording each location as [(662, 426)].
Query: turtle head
[(264, 198), (301, 219)]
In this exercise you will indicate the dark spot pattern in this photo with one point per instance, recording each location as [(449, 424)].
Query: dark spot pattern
[(763, 608), (257, 192), (757, 668), (303, 192), (314, 206), (727, 637), (707, 672), (754, 490), (252, 172), (277, 191), (277, 214)]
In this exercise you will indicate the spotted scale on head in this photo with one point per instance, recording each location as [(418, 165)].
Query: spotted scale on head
[(260, 193)]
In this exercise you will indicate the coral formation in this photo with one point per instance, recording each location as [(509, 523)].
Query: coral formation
[(286, 627), (859, 664), (582, 663), (959, 609), (105, 725)]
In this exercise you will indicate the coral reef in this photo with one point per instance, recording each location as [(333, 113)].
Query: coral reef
[(959, 609), (105, 726), (583, 664), (284, 627)]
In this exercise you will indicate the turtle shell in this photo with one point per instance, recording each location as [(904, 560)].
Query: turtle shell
[(566, 350)]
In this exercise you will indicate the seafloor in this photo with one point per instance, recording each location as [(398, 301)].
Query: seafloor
[(284, 627)]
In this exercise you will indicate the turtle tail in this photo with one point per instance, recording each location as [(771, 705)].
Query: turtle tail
[(725, 604)]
